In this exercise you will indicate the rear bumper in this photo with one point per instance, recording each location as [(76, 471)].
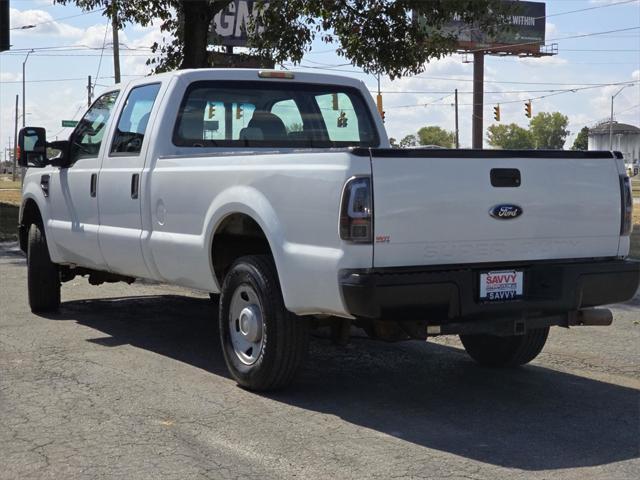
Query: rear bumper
[(452, 293)]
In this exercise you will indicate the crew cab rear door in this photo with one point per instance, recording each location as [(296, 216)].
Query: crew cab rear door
[(119, 182), (447, 207)]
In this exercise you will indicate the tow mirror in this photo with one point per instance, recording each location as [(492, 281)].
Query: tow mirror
[(32, 147)]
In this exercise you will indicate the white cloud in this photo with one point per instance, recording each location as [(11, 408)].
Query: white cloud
[(44, 24), (94, 36), (135, 63)]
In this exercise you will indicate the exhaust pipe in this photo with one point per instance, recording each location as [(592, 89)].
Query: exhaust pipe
[(591, 317)]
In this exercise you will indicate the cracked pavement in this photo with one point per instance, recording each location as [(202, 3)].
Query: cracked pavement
[(129, 382)]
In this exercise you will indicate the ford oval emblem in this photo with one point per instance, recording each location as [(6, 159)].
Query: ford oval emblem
[(505, 212)]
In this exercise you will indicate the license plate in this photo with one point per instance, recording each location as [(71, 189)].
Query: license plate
[(501, 286)]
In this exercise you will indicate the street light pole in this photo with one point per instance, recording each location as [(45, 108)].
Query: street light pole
[(611, 119), (24, 117)]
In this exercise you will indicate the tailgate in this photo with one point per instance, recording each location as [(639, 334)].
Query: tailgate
[(434, 208)]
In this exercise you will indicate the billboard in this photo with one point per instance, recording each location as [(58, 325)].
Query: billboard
[(525, 33), (229, 26)]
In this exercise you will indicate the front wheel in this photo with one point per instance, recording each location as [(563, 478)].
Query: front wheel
[(263, 343), (43, 276), (509, 351)]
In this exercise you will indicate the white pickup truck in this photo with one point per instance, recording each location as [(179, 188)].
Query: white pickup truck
[(278, 192)]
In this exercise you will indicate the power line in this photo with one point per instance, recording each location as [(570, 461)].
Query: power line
[(104, 42), (505, 102), (570, 37), (73, 48), (590, 8), (607, 50), (48, 80), (57, 19)]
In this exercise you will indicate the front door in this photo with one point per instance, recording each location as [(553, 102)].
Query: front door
[(119, 185), (74, 206)]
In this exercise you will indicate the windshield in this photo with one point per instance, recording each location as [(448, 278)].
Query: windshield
[(273, 114)]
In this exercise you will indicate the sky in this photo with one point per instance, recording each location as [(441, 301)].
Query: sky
[(578, 82)]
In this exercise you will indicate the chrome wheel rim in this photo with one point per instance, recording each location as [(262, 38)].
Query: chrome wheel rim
[(246, 326)]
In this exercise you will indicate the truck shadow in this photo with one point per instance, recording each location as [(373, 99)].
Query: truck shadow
[(532, 418)]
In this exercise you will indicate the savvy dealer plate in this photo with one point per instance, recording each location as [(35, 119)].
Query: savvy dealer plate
[(501, 286)]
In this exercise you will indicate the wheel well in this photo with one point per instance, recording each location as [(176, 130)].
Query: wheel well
[(30, 215), (238, 235)]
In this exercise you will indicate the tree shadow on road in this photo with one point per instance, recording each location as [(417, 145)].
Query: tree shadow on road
[(531, 418)]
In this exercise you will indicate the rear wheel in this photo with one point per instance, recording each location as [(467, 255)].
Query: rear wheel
[(510, 351), (43, 276), (263, 343)]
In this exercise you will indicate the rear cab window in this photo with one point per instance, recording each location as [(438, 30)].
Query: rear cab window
[(273, 114)]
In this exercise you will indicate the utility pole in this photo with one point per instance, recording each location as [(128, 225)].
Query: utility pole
[(611, 119), (24, 108), (457, 129), (89, 91), (15, 145), (116, 44), (478, 99)]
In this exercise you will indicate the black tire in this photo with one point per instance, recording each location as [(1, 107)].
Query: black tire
[(285, 337), (511, 351), (43, 276)]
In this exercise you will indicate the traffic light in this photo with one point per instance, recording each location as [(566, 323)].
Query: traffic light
[(527, 109), (5, 40), (496, 113), (239, 112), (384, 114), (342, 120), (334, 101), (212, 110)]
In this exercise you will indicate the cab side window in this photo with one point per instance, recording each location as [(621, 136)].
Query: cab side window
[(132, 125), (87, 137)]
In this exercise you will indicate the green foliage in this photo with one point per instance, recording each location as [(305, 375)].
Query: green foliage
[(376, 35), (582, 140), (409, 141), (549, 130), (181, 48), (509, 137), (436, 136)]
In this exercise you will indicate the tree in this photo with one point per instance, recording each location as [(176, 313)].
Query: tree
[(436, 136), (393, 142), (549, 130), (582, 140), (409, 141), (185, 48), (376, 35), (511, 136)]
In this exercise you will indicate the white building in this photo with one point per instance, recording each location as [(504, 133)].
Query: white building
[(626, 139)]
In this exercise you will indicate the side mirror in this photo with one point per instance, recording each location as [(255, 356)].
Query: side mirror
[(32, 147)]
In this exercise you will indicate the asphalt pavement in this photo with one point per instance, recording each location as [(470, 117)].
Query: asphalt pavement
[(128, 382)]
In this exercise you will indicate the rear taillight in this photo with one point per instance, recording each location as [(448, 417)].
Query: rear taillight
[(626, 222), (356, 211)]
